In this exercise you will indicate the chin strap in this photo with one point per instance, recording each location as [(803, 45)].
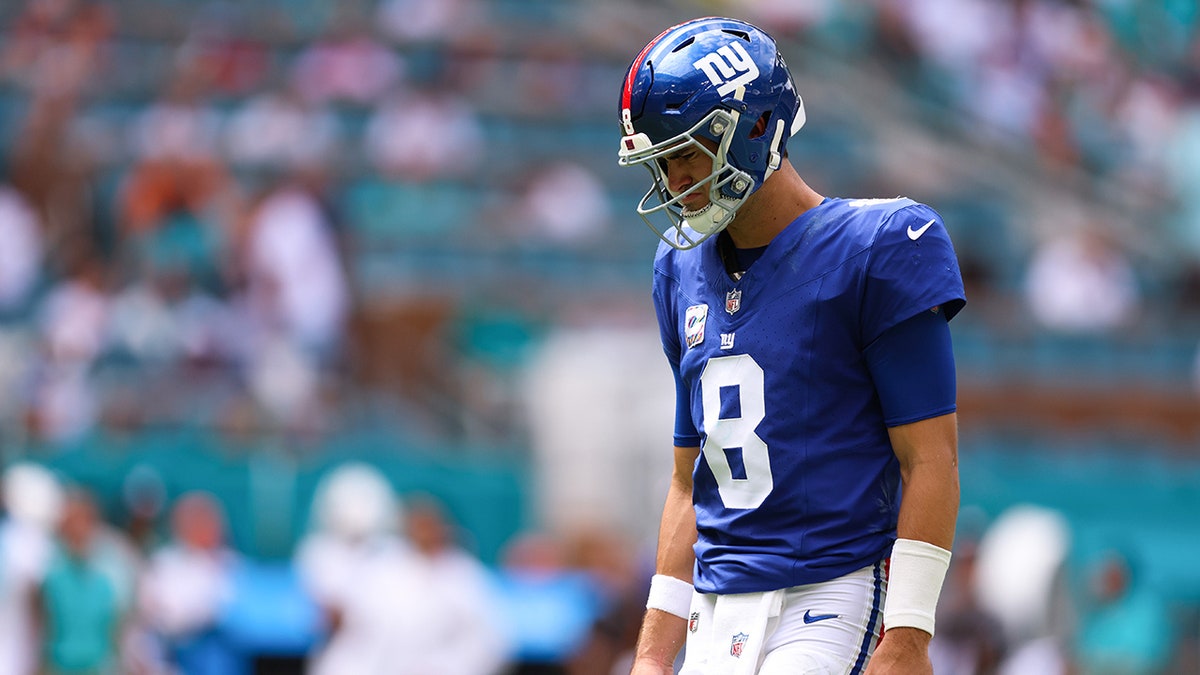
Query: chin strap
[(706, 220)]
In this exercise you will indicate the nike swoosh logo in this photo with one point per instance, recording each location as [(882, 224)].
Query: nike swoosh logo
[(916, 234), (809, 617)]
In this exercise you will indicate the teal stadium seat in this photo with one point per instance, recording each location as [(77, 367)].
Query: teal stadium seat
[(389, 212)]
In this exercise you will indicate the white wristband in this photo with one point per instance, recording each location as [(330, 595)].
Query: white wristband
[(915, 579), (671, 595)]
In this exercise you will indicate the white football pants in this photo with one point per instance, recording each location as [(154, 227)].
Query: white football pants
[(830, 628)]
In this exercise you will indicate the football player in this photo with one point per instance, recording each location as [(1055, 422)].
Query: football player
[(815, 381)]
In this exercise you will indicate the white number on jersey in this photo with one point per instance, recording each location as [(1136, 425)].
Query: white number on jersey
[(742, 374)]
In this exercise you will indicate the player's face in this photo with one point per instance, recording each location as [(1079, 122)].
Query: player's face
[(684, 169)]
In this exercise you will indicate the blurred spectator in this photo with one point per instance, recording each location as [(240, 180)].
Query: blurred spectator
[(278, 129), (452, 610), (143, 498), (295, 276), (54, 50), (424, 135), (165, 317), (430, 21), (33, 500), (550, 607), (21, 256), (1148, 115), (1081, 282), (551, 79), (347, 65), (56, 45), (606, 556), (54, 174), (85, 594), (285, 383), (351, 564), (969, 639), (1126, 628), (225, 57), (73, 325), (562, 203), (1045, 655), (950, 35), (1008, 99), (783, 18), (177, 168), (168, 328), (180, 126), (1077, 83), (1020, 579), (73, 317), (187, 585), (18, 365), (296, 299), (63, 406)]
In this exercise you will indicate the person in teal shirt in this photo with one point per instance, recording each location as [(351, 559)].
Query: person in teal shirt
[(78, 601), (1128, 629)]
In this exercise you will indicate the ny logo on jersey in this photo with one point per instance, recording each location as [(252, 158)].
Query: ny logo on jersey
[(728, 68)]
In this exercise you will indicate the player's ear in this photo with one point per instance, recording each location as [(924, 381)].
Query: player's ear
[(760, 127)]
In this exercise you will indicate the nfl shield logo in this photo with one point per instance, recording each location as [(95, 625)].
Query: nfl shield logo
[(694, 622), (739, 641), (733, 301)]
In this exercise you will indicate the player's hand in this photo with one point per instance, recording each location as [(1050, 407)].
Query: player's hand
[(903, 651)]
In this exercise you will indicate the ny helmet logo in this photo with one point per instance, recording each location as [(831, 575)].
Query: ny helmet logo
[(728, 68)]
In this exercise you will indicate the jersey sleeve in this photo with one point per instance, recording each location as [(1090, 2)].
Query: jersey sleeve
[(912, 365), (685, 435), (912, 268)]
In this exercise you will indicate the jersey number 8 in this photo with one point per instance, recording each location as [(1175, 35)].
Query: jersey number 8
[(741, 377)]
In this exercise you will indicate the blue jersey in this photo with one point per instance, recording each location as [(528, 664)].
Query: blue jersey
[(797, 482)]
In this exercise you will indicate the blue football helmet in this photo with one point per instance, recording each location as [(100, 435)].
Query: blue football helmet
[(710, 78)]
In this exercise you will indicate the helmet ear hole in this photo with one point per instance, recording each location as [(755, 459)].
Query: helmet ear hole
[(761, 126)]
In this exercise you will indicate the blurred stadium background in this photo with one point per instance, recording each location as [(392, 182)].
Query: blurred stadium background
[(245, 242)]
